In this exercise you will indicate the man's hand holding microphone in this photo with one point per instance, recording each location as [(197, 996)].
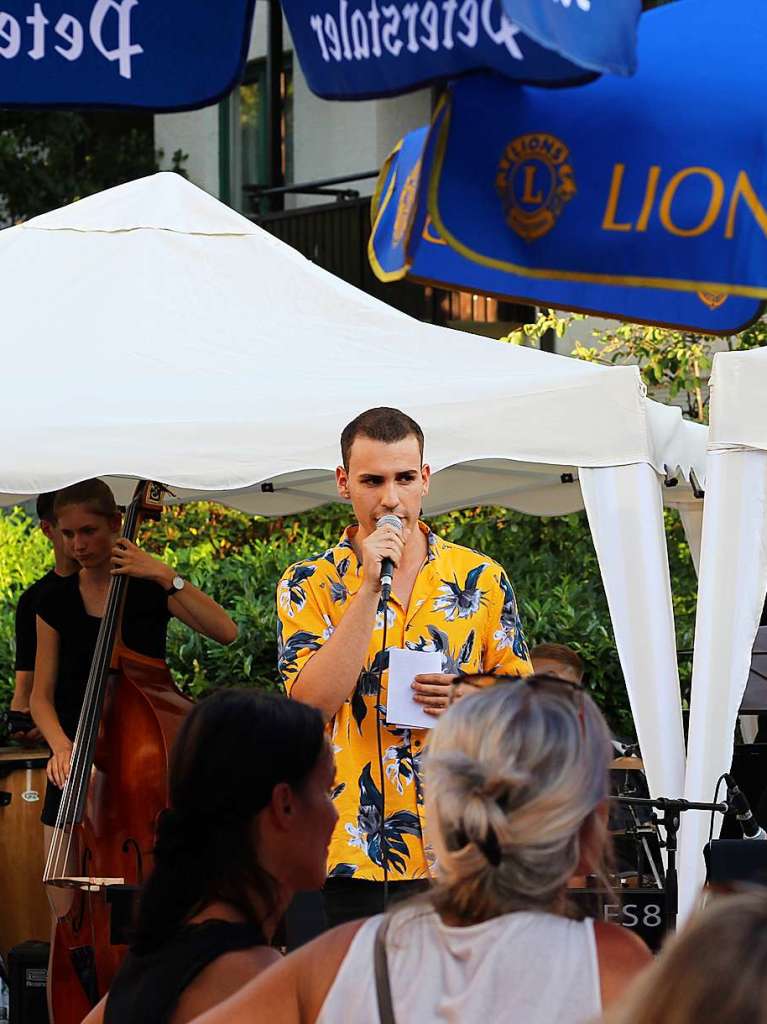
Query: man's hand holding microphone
[(384, 549)]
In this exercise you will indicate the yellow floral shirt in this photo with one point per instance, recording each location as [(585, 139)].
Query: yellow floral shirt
[(462, 606)]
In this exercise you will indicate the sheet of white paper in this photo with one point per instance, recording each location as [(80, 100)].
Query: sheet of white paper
[(404, 666)]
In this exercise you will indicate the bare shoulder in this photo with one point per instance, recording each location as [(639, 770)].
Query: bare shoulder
[(620, 944), (337, 940), (292, 990), (318, 961), (223, 977), (622, 956), (316, 965), (242, 964)]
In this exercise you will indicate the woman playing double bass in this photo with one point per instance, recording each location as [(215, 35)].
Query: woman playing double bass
[(68, 620), (100, 679)]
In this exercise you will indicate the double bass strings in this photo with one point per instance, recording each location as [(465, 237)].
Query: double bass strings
[(73, 796), (87, 724), (79, 768), (76, 784), (83, 746)]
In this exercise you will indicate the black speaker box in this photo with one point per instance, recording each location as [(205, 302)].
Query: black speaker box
[(730, 861), (27, 975)]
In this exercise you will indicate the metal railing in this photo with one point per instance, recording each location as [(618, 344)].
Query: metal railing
[(321, 187)]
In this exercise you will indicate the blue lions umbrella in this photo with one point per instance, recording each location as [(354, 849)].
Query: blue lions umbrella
[(653, 182), (361, 49), (405, 243)]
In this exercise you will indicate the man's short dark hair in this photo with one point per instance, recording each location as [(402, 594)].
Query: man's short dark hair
[(381, 424), (560, 653), (44, 507)]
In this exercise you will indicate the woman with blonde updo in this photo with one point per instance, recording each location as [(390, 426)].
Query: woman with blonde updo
[(516, 804)]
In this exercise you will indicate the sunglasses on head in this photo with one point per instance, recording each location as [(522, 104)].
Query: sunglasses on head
[(540, 682), (560, 686)]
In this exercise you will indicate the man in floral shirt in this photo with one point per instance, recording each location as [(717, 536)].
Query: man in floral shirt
[(444, 598)]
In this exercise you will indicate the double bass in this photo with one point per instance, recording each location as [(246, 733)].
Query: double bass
[(117, 786)]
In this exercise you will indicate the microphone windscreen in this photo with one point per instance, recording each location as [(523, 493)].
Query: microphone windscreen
[(390, 520)]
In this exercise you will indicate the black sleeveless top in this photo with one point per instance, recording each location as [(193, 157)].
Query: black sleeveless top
[(147, 988), (144, 625)]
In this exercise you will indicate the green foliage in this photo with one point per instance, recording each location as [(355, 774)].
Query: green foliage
[(553, 566), (49, 158), (238, 559), (532, 334), (25, 556)]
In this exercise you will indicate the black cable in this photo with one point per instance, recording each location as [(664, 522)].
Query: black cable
[(719, 781), (382, 824)]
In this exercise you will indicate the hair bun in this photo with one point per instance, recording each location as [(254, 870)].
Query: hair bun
[(511, 779), (499, 789)]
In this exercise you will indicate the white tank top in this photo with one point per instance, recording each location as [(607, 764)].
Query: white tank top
[(525, 968)]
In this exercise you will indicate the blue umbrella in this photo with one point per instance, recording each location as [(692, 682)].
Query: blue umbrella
[(658, 181), (361, 49), (598, 34), (405, 243), (173, 55)]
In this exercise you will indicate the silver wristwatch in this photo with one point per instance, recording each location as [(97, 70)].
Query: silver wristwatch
[(177, 584)]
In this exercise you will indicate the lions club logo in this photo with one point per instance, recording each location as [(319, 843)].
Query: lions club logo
[(534, 180), (712, 299)]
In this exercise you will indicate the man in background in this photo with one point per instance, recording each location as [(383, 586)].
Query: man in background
[(558, 660), (21, 725)]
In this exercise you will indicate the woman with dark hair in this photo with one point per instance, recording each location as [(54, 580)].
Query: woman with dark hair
[(249, 823)]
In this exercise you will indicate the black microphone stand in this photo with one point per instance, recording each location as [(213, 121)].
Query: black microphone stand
[(671, 810)]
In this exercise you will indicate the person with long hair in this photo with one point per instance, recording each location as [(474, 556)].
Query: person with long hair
[(69, 617), (516, 799), (714, 969), (249, 823)]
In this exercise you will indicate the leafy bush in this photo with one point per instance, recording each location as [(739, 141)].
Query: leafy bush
[(553, 566), (237, 559), (49, 158), (25, 555)]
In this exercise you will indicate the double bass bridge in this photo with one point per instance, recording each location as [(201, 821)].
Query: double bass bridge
[(84, 883)]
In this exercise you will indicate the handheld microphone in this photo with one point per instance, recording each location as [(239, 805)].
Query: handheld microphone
[(741, 808), (387, 566)]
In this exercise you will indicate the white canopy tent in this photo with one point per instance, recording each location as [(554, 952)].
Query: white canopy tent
[(731, 588), (150, 331)]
